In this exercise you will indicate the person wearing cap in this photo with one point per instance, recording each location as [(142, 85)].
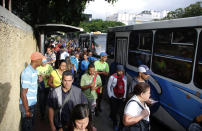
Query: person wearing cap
[(143, 74), (28, 95), (102, 68), (44, 70), (117, 94)]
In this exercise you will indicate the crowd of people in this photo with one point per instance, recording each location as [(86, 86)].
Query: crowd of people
[(71, 82)]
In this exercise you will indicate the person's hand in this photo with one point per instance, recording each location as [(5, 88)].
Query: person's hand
[(124, 99), (149, 102), (92, 85), (28, 114), (105, 73), (53, 128), (144, 113), (60, 129)]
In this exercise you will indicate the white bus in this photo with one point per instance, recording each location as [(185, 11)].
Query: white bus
[(173, 51)]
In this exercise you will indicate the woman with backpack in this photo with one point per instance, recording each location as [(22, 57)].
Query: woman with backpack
[(117, 88), (136, 112)]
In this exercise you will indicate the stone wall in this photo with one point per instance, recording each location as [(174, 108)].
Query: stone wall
[(17, 42)]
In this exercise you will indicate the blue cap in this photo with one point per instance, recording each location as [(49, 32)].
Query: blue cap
[(103, 54), (144, 69), (119, 68)]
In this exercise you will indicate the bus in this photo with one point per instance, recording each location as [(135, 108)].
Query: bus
[(173, 51), (95, 42)]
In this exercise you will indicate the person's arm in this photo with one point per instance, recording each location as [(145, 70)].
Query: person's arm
[(125, 86), (25, 102), (109, 86), (82, 84), (50, 82), (82, 66), (51, 118), (106, 73), (130, 120), (131, 116)]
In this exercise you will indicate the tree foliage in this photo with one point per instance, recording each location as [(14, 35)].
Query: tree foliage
[(51, 11), (190, 11), (98, 25)]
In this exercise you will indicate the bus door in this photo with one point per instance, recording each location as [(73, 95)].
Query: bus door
[(122, 47)]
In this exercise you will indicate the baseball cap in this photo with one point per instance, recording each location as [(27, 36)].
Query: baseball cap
[(36, 56), (103, 54), (119, 68), (144, 69)]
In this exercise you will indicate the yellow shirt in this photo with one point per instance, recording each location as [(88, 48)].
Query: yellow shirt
[(45, 71), (57, 78)]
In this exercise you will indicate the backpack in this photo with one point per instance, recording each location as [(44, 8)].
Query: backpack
[(119, 88)]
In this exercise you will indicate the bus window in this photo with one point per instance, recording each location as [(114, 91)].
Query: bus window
[(140, 48), (111, 45), (99, 43), (172, 58), (198, 69)]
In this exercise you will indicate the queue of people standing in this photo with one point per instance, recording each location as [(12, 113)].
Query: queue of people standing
[(71, 83)]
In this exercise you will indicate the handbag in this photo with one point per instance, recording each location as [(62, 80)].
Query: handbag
[(142, 125)]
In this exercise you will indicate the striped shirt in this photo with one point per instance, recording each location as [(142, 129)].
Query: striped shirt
[(29, 79)]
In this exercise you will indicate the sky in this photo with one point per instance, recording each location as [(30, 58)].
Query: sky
[(100, 9)]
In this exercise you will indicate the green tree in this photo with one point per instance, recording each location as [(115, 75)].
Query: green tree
[(51, 11), (98, 25), (190, 11)]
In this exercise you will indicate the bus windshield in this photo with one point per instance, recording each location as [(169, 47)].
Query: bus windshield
[(99, 43)]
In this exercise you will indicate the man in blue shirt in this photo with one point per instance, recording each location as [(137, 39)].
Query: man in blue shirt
[(29, 88)]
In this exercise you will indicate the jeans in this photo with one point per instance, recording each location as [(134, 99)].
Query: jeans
[(27, 122), (92, 105)]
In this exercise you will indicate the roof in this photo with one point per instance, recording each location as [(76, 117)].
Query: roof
[(58, 27), (173, 23)]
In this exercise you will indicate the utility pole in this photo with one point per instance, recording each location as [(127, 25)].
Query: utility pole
[(9, 5), (3, 3)]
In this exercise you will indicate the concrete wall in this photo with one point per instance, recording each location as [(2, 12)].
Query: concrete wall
[(17, 42)]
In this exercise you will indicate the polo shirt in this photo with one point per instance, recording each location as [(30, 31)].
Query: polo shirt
[(29, 80), (133, 109), (44, 71), (87, 79), (99, 66)]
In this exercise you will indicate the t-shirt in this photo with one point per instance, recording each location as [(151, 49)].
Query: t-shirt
[(64, 55), (29, 80), (132, 84), (99, 66), (133, 109), (84, 65), (57, 78), (45, 71), (86, 79)]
